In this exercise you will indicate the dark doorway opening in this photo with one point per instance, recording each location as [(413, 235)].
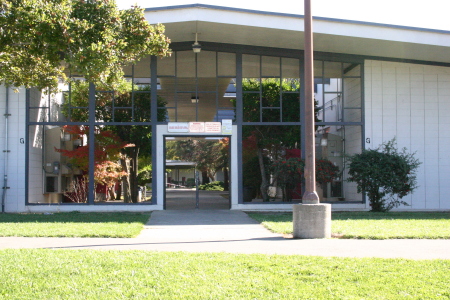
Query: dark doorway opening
[(197, 172)]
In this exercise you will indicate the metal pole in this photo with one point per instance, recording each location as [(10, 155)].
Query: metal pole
[(310, 196), (197, 199)]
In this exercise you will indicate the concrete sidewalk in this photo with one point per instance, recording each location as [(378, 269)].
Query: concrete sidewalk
[(234, 232)]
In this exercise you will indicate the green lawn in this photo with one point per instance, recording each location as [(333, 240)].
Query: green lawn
[(90, 274), (73, 224), (369, 225)]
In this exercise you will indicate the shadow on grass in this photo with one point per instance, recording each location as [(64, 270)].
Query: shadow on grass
[(286, 217), (390, 215), (75, 217)]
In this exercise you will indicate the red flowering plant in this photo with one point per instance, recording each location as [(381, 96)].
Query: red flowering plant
[(326, 171), (288, 172)]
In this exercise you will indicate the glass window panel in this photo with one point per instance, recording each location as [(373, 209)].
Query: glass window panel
[(251, 103), (291, 107), (352, 115), (332, 85), (186, 64), (56, 102), (333, 69), (332, 144), (318, 68), (104, 105), (271, 115), (225, 114), (123, 115), (332, 108), (270, 66), (250, 66), (46, 107), (142, 68), (167, 98), (186, 84), (111, 186), (284, 144), (227, 91), (290, 68), (79, 114), (352, 69), (171, 114), (51, 166), (227, 64), (206, 61), (166, 66), (209, 84), (141, 105), (186, 107), (352, 92), (207, 107), (38, 114), (251, 84), (128, 70), (76, 103), (271, 92)]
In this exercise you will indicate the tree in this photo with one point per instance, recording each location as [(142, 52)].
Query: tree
[(93, 38), (385, 174)]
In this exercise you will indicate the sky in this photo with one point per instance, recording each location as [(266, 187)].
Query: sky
[(433, 14)]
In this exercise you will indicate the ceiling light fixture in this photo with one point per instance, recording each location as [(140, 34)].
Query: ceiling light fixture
[(194, 99), (196, 47)]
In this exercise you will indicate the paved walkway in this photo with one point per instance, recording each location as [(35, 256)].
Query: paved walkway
[(234, 232)]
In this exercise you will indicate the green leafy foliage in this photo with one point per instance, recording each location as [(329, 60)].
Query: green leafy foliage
[(385, 174), (93, 38), (212, 186)]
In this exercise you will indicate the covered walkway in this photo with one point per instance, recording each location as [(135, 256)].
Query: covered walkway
[(185, 199)]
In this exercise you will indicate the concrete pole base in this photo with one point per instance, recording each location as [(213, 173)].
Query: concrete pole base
[(312, 221)]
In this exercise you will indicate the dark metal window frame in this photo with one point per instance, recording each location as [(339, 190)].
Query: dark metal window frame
[(239, 50)]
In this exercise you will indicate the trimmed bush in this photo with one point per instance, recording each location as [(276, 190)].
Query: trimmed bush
[(385, 174)]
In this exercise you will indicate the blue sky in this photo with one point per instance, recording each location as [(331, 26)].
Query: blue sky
[(432, 14)]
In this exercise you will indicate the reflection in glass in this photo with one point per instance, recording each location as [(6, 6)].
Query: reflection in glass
[(332, 144), (53, 177), (265, 146)]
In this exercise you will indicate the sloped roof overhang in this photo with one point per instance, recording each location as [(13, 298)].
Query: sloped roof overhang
[(216, 24)]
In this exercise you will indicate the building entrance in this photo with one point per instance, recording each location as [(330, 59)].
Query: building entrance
[(197, 173)]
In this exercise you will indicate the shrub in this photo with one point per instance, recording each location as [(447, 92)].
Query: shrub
[(212, 186), (385, 174)]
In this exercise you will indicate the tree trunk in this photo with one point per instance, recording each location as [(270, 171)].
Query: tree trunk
[(133, 174), (119, 192), (126, 180), (264, 182), (226, 180), (205, 177)]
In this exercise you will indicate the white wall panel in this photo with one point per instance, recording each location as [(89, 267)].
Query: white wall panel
[(414, 104), (15, 172)]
